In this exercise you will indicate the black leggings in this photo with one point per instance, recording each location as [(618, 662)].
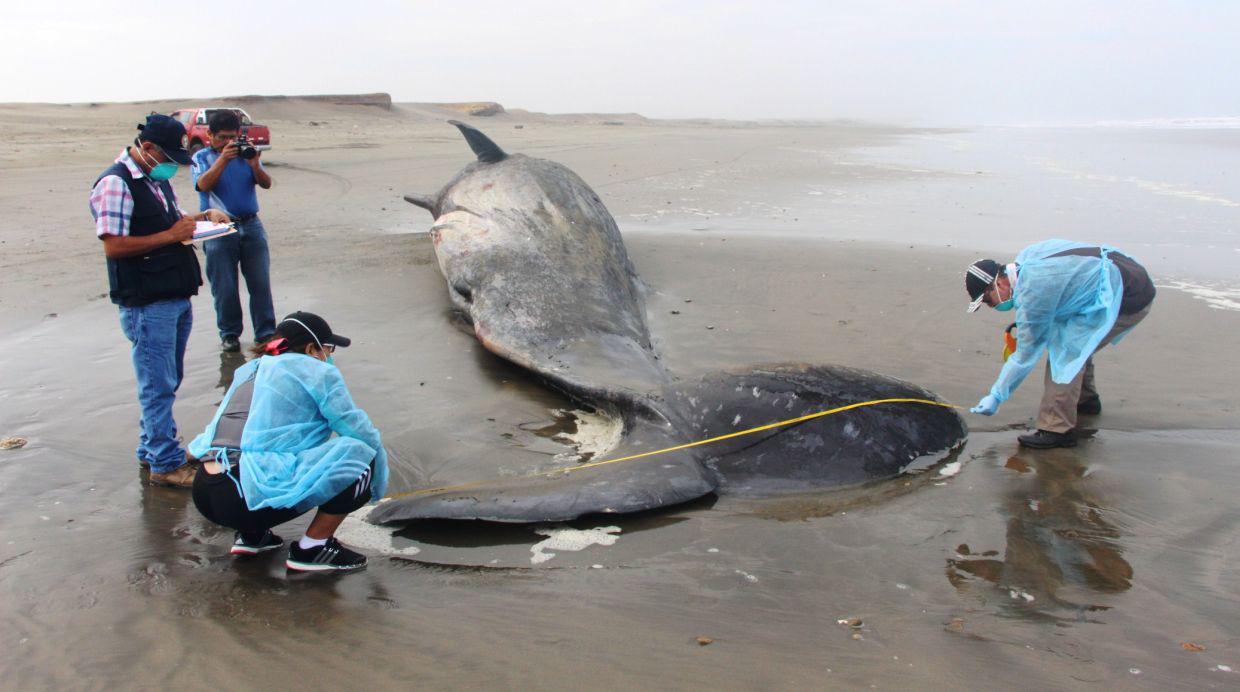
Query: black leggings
[(217, 498)]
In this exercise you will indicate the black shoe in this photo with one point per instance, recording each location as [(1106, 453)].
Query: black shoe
[(230, 344), (253, 545), (1045, 439), (1089, 408), (329, 557)]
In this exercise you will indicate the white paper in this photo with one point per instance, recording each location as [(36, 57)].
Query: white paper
[(206, 230)]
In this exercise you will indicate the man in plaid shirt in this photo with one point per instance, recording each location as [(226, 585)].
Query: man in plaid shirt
[(151, 276)]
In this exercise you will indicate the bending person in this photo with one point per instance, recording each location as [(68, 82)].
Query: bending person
[(1071, 299), (270, 455)]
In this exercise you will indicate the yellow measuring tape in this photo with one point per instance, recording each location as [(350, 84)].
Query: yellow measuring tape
[(720, 438)]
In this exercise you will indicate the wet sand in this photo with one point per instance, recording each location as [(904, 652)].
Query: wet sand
[(1066, 569)]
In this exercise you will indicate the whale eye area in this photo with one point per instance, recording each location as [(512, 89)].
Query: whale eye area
[(463, 290)]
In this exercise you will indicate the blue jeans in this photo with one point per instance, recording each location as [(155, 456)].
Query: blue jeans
[(158, 332), (247, 248)]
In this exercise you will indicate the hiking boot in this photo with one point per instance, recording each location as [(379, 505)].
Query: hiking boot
[(1045, 439), (253, 545), (329, 557), (1089, 408), (189, 458), (180, 477), (230, 344)]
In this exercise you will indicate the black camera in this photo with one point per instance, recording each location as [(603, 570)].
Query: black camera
[(245, 150)]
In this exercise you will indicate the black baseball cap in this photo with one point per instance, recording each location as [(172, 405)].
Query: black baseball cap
[(301, 328), (168, 134), (980, 276)]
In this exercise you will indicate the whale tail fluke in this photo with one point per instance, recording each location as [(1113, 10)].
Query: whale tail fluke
[(486, 150)]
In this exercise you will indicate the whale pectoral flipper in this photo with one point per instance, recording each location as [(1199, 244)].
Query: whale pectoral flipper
[(559, 495), (516, 494), (427, 202)]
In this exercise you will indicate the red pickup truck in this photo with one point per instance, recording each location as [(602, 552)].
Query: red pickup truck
[(195, 122)]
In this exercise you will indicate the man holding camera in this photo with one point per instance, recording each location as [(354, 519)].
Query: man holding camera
[(225, 175)]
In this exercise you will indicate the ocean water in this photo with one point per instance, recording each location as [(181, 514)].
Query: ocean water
[(1167, 192)]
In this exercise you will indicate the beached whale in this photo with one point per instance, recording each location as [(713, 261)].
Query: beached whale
[(536, 264)]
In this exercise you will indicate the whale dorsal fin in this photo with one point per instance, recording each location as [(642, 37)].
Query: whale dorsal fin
[(487, 151)]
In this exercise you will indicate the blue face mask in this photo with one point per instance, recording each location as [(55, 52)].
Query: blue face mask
[(330, 360), (1009, 304), (161, 171)]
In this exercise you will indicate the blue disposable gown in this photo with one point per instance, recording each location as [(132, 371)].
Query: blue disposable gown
[(289, 457), (1064, 306)]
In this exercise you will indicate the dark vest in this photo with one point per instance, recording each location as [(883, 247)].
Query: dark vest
[(169, 271)]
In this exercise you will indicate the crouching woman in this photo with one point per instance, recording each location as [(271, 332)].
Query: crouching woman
[(270, 456)]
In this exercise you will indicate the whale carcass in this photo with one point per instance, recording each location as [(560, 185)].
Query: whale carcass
[(536, 265)]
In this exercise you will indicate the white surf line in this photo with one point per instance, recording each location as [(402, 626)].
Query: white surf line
[(355, 532), (1184, 192), (1202, 123), (1152, 186), (1217, 298), (560, 537)]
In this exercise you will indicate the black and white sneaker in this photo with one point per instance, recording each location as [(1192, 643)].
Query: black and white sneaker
[(267, 542), (329, 557)]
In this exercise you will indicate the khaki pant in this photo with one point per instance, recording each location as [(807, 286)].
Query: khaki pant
[(1059, 401)]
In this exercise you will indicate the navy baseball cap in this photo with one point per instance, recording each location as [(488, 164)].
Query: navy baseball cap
[(168, 134)]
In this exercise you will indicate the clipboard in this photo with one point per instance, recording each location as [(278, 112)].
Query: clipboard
[(207, 230)]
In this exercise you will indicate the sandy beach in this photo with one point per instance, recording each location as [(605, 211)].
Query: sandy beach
[(758, 242)]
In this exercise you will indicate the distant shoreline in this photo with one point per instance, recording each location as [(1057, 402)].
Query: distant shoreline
[(484, 109)]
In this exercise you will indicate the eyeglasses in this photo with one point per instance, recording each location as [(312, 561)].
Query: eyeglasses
[(329, 348), (163, 153)]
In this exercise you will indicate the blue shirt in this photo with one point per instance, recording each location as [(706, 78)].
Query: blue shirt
[(233, 193)]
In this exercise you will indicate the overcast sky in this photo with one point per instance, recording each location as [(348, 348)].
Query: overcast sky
[(936, 62)]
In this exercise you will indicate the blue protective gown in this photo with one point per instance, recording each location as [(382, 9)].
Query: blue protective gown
[(289, 457), (1064, 306)]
